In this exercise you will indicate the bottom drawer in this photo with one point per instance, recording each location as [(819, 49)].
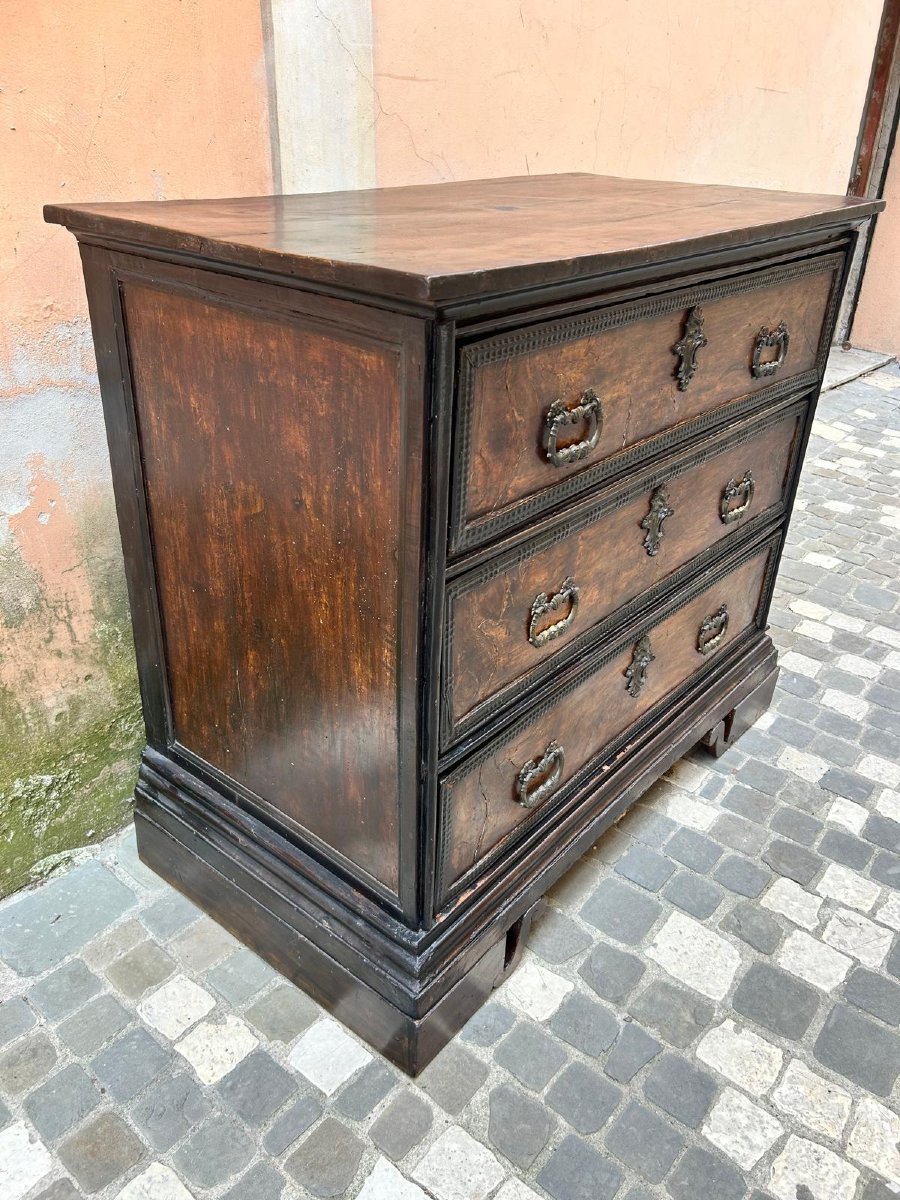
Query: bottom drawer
[(519, 780)]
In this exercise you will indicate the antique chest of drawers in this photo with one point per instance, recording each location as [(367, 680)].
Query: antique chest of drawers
[(450, 518)]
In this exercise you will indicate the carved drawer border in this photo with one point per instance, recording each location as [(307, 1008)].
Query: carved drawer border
[(466, 534)]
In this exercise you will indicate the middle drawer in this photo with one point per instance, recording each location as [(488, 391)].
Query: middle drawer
[(506, 619)]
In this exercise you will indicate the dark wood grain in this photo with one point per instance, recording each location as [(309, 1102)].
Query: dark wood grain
[(276, 544), (608, 562), (445, 241)]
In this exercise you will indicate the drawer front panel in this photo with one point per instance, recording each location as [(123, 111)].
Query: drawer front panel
[(528, 776), (546, 411), (507, 618)]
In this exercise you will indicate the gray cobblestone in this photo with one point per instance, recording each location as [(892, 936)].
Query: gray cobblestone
[(16, 1018), (621, 912), (703, 1174), (61, 1102), (214, 1152), (488, 1025), (754, 927), (854, 1046), (531, 1055), (256, 1088), (402, 1125), (874, 994), (576, 1171), (453, 1077), (680, 1089), (583, 1097), (693, 849), (518, 1126), (742, 876), (292, 1124), (644, 1142), (168, 1109), (776, 1000), (326, 1161), (100, 1152), (680, 1016), (261, 1182), (793, 861), (366, 1090), (845, 848), (129, 1064), (645, 867), (612, 973), (633, 1050), (66, 989), (583, 1023), (99, 1021), (693, 894), (556, 938)]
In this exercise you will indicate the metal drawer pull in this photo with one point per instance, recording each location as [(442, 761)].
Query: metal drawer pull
[(636, 674), (660, 510), (694, 339), (542, 605), (559, 417), (737, 489), (540, 778), (764, 339), (712, 631)]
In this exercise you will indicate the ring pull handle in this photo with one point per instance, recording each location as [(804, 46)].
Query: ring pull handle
[(660, 510), (765, 340), (641, 658), (539, 779), (692, 341), (737, 489), (560, 417), (712, 631), (543, 606)]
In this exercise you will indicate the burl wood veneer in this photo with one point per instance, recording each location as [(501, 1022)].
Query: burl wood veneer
[(450, 517)]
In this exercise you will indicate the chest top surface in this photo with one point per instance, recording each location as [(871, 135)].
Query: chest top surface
[(442, 242)]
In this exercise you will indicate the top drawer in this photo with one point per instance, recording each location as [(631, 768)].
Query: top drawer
[(547, 411)]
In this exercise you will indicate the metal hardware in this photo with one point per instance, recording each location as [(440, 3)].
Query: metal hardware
[(542, 605), (559, 417), (764, 339), (712, 631), (642, 657), (693, 340), (735, 489), (540, 778), (660, 509)]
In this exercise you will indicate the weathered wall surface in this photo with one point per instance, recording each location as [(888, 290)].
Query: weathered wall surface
[(97, 101), (717, 91), (876, 325)]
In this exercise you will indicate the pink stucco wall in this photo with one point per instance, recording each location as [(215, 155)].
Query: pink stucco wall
[(877, 322)]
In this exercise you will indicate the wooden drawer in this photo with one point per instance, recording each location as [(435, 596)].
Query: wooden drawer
[(543, 759), (545, 600), (547, 411)]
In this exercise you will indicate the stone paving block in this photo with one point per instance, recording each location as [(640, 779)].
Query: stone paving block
[(292, 1124), (556, 938), (213, 1048), (25, 1063), (741, 1129), (814, 961), (5, 1115), (882, 832), (693, 849), (695, 955), (644, 1141), (534, 990), (885, 869), (61, 1189), (16, 1018), (282, 1014), (845, 848), (793, 902), (612, 973), (531, 1055), (576, 1171), (634, 1049), (256, 1088), (101, 950), (819, 1104), (739, 833), (620, 911), (453, 1077), (804, 1167), (754, 927), (143, 967), (793, 861), (216, 1150), (747, 802), (693, 894), (680, 1089), (798, 826), (170, 915), (61, 1102), (385, 1182), (776, 1000), (677, 1014), (261, 1182), (364, 1093), (64, 990), (583, 1097), (173, 1008), (126, 1066), (24, 1161), (100, 1152), (742, 1056), (646, 825), (402, 1125), (98, 1022), (645, 867), (875, 1139), (580, 1021), (240, 976), (518, 1126), (854, 934), (168, 1109), (202, 945), (701, 1174), (457, 1167), (858, 1049), (42, 927), (742, 876), (488, 1025)]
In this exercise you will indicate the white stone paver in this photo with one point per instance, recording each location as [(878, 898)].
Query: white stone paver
[(515, 1189), (176, 1006), (809, 767), (889, 912), (685, 810), (158, 1182), (809, 959), (24, 1161), (214, 1048), (880, 770), (820, 1105), (788, 898), (888, 804), (688, 775), (826, 561), (535, 991), (816, 630), (741, 1056), (847, 814), (848, 706), (849, 624), (741, 1129), (459, 1168), (327, 1055), (875, 1138), (858, 936), (855, 664), (386, 1183), (889, 637), (807, 1165), (851, 888), (801, 664), (696, 956)]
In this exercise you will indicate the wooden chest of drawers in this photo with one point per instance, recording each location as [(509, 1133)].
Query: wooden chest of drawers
[(450, 516)]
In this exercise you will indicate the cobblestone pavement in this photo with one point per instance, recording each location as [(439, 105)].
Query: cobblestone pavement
[(709, 1009)]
